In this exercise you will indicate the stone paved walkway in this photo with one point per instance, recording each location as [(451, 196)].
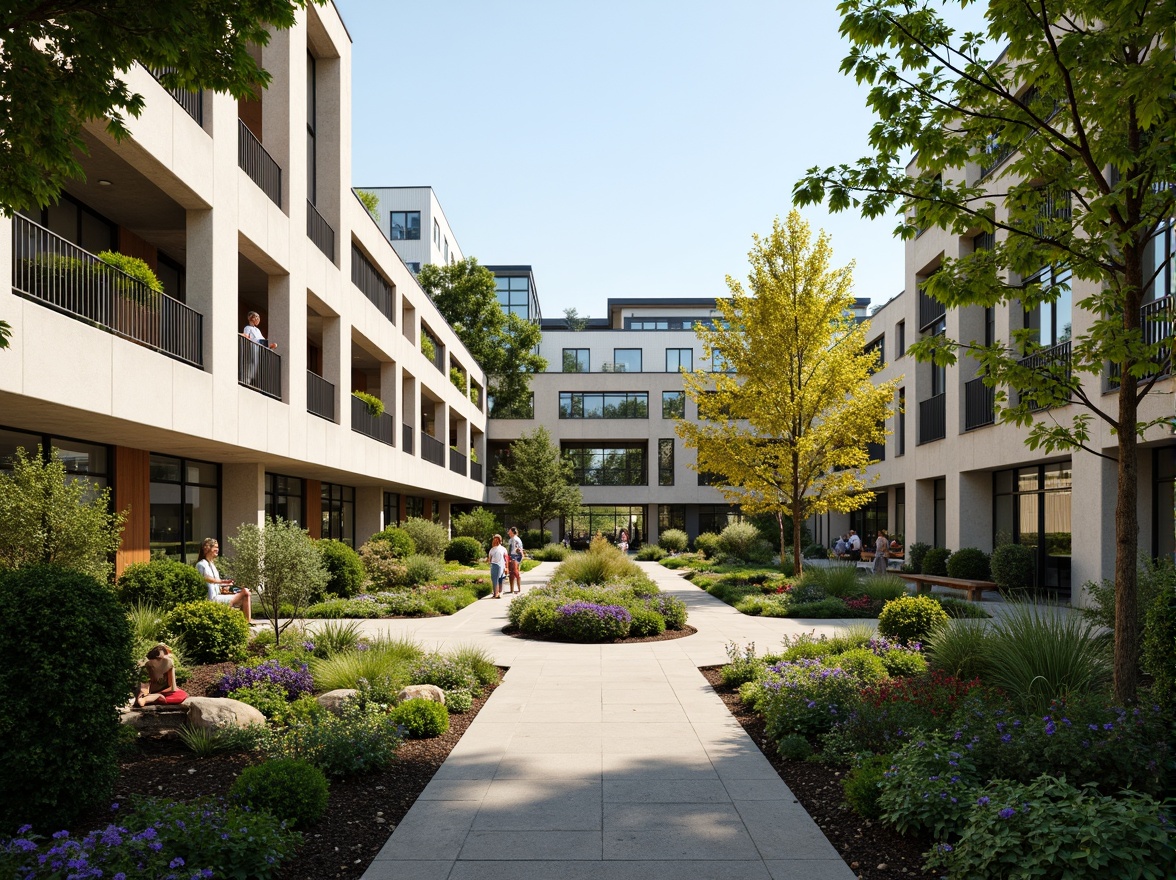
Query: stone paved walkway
[(606, 761)]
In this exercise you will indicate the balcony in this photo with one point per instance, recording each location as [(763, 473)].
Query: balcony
[(432, 449), (406, 432), (367, 278), (476, 471), (457, 462), (320, 396), (259, 368), (1053, 363), (56, 273), (258, 164), (192, 102), (933, 418), (930, 310), (363, 422), (979, 405), (1157, 325), (319, 230)]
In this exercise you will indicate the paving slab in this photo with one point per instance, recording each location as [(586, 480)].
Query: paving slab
[(606, 762)]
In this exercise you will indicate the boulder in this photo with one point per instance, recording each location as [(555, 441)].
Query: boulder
[(422, 692), (215, 713), (157, 719), (334, 700)]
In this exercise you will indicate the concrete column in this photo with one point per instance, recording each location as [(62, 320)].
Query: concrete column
[(1092, 523), (280, 110), (923, 513), (443, 513), (410, 409), (971, 510), (336, 368), (242, 497), (286, 325), (389, 386), (369, 513)]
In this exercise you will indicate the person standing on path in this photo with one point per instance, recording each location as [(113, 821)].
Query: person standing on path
[(497, 559), (881, 551), (855, 546), (514, 561)]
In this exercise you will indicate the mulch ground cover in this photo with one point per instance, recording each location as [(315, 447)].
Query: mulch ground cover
[(872, 851), (361, 814)]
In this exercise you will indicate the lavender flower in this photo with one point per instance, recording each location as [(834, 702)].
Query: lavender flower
[(295, 682), (1007, 813)]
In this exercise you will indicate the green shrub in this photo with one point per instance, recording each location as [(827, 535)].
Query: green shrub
[(443, 600), (211, 632), (824, 609), (430, 538), (646, 623), (794, 748), (738, 540), (421, 719), (651, 553), (810, 589), (334, 637), (398, 540), (267, 697), (884, 588), (900, 663), (136, 268), (1051, 830), (930, 786), (840, 581), (447, 673), (960, 609), (758, 605), (935, 561), (384, 565), (862, 663), (809, 698), (163, 583), (421, 569), (479, 662), (815, 551), (553, 553), (1154, 577), (345, 574), (592, 622), (673, 540), (480, 524), (59, 747), (1014, 568), (915, 554), (707, 544), (1159, 645), (465, 550), (533, 539), (598, 565), (959, 649), (911, 618), (862, 785), (287, 788), (538, 617), (671, 608), (458, 701), (743, 665), (970, 564)]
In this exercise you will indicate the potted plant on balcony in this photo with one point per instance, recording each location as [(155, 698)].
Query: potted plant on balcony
[(428, 347), (135, 308), (457, 377), (375, 406)]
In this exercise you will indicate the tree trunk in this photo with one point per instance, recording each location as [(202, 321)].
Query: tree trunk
[(797, 557), (780, 526)]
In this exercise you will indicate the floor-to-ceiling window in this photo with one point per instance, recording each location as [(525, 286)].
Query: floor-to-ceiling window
[(339, 513), (91, 460), (283, 498), (391, 509), (1031, 506), (1163, 500), (185, 506), (868, 519), (608, 520)]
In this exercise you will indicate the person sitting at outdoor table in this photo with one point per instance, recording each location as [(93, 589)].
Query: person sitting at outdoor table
[(840, 548), (160, 686), (220, 589)]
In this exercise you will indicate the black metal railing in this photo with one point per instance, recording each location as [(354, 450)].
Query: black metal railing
[(57, 273), (320, 396), (368, 279), (457, 462), (258, 164), (406, 432), (320, 231), (476, 471), (259, 368), (979, 404), (363, 422), (1054, 363), (192, 102), (995, 152), (930, 310), (1157, 326), (933, 418), (432, 449)]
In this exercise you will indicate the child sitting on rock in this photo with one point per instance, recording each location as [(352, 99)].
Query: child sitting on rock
[(160, 686)]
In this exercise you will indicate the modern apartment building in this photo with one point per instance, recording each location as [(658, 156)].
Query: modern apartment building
[(412, 219), (238, 207)]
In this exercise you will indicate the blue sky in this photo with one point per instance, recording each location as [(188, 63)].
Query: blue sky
[(622, 149)]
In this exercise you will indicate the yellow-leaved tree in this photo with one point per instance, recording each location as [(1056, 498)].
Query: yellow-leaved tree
[(786, 415)]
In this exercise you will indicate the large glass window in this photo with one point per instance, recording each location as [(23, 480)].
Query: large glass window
[(620, 465), (900, 424), (391, 509), (899, 512), (88, 460), (720, 364), (938, 371), (673, 404), (603, 405), (679, 360), (867, 520), (311, 114), (414, 505), (514, 295), (577, 360), (665, 462), (608, 520), (671, 516), (716, 517), (339, 513), (185, 505), (940, 537), (626, 360), (1163, 501), (406, 226), (283, 498), (1031, 506), (1051, 320), (512, 409)]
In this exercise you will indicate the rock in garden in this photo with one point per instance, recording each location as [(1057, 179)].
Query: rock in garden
[(156, 719), (334, 700), (422, 692), (213, 713)]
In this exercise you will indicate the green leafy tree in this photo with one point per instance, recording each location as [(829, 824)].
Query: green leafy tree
[(536, 482), (1072, 125), (61, 68), (280, 564), (574, 320), (787, 428), (51, 517), (370, 202), (480, 524)]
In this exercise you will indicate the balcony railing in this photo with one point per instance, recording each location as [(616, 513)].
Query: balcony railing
[(476, 471), (320, 396), (319, 231), (259, 368), (933, 418), (192, 102), (432, 449), (979, 405), (258, 164), (367, 278), (363, 422), (1051, 362), (457, 462), (406, 432), (1157, 325), (54, 272), (930, 310)]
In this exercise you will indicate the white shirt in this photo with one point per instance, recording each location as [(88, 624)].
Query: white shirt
[(516, 546), (498, 555), (855, 542), (253, 333), (208, 570)]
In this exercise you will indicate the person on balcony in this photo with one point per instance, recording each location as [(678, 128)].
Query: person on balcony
[(221, 589), (252, 358), (252, 331)]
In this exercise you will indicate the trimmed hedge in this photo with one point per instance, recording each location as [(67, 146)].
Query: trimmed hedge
[(211, 632), (345, 574), (163, 583), (465, 550)]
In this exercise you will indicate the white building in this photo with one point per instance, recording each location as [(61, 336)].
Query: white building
[(411, 218)]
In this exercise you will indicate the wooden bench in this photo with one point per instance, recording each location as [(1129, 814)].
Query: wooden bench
[(893, 561), (924, 582)]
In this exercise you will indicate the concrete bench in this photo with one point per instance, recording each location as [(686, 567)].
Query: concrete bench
[(924, 582)]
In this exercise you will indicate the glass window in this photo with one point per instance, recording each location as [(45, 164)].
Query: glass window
[(679, 360), (608, 520), (406, 226), (716, 517), (899, 512), (514, 295), (185, 505), (1051, 320), (900, 429), (665, 462), (391, 508), (311, 117), (577, 360), (338, 514), (1163, 499), (11, 441), (940, 513), (436, 233), (414, 505), (512, 409), (899, 339), (1031, 507), (671, 516), (620, 465), (626, 360), (603, 405), (673, 404), (719, 363), (283, 498), (877, 346)]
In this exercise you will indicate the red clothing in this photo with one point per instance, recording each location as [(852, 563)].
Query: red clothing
[(176, 696)]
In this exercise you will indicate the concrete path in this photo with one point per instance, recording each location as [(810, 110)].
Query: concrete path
[(606, 761)]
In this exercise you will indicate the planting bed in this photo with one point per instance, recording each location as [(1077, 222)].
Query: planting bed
[(668, 635)]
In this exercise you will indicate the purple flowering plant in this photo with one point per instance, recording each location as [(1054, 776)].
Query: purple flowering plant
[(294, 681), (583, 621), (806, 697), (930, 786)]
